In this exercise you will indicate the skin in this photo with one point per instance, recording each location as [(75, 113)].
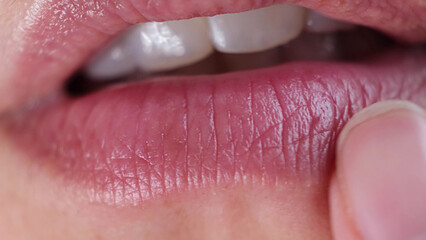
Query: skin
[(35, 206), (32, 202)]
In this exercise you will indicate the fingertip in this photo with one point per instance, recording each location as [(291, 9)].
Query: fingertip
[(374, 111), (379, 188)]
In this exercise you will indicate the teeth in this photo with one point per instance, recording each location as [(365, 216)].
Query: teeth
[(256, 30), (114, 61), (316, 22), (168, 45), (162, 46)]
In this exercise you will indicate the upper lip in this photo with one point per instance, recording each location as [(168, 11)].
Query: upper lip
[(53, 38)]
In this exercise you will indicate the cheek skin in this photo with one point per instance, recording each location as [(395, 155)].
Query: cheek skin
[(35, 206), (31, 206)]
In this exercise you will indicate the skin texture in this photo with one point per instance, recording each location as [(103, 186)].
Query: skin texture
[(263, 126), (34, 205)]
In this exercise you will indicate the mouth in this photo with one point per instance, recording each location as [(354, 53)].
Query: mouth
[(219, 94)]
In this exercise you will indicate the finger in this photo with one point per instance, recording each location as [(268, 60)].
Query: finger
[(379, 188)]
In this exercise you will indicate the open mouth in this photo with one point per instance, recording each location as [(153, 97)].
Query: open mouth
[(226, 43), (254, 97)]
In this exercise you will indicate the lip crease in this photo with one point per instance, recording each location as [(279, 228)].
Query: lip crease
[(54, 38), (139, 141)]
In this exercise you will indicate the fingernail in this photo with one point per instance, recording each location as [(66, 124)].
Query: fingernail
[(381, 171)]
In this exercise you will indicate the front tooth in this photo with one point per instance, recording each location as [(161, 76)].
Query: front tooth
[(160, 46), (112, 62), (318, 23), (256, 30)]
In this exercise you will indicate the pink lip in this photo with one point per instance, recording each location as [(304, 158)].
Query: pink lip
[(53, 38), (139, 141)]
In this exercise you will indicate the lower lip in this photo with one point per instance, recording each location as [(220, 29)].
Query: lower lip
[(131, 143)]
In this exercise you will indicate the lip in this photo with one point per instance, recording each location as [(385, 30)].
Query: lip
[(132, 143), (135, 142), (53, 38)]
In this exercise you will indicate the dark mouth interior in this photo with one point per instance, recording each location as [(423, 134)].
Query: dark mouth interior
[(355, 45)]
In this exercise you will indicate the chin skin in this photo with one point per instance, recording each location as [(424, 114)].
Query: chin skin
[(34, 205)]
